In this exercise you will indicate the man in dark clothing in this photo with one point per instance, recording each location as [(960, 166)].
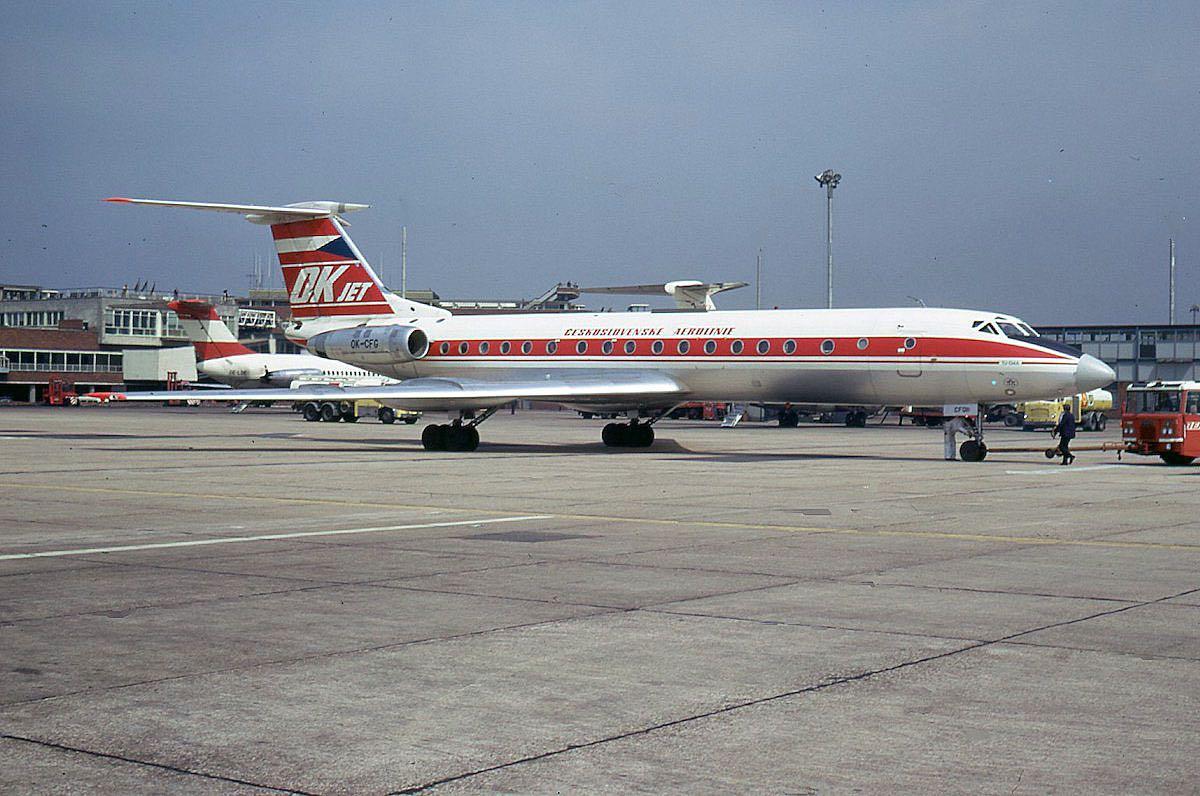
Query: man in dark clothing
[(1066, 432)]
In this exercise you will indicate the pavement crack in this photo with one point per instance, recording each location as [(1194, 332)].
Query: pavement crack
[(771, 698), (150, 764)]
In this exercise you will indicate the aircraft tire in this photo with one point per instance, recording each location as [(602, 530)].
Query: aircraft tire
[(972, 451), (311, 412), (386, 415), (433, 438), (330, 412), (1176, 459), (461, 438), (642, 436), (613, 435)]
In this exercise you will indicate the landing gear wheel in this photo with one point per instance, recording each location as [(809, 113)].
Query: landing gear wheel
[(1176, 459), (386, 415), (856, 419), (330, 413), (972, 451), (461, 438), (613, 435), (640, 435), (433, 438), (311, 412)]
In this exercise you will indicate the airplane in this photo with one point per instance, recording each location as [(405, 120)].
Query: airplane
[(640, 363), (221, 357)]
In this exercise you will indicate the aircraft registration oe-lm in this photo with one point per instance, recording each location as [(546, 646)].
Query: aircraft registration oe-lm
[(640, 363)]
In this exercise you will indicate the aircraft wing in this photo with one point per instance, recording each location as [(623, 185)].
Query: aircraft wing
[(625, 388)]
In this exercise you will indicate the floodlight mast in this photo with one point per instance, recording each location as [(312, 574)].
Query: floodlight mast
[(829, 179)]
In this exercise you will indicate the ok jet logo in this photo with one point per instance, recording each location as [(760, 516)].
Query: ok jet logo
[(317, 284)]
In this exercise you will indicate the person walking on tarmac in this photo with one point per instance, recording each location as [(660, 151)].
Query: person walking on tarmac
[(1066, 432), (955, 426)]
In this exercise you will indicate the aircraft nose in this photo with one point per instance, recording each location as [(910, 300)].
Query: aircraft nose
[(1091, 373)]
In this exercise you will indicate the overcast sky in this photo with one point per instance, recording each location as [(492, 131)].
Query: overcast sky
[(1025, 158)]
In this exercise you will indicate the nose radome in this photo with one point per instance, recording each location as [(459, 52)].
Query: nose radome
[(1091, 373)]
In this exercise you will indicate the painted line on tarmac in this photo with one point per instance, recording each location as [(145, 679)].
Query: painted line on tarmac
[(267, 537), (1061, 470), (745, 526)]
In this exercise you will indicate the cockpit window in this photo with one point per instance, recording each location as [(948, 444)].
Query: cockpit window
[(1010, 329), (990, 329), (1028, 329)]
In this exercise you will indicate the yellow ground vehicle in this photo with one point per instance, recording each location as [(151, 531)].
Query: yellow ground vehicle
[(1089, 409)]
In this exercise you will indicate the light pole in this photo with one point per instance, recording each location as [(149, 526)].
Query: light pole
[(828, 178)]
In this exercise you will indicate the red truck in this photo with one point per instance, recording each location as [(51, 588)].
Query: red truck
[(1162, 418)]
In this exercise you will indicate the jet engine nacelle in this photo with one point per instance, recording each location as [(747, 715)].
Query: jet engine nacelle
[(372, 345)]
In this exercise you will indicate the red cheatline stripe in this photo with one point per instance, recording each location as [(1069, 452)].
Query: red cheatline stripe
[(350, 309), (304, 229), (314, 256), (926, 350)]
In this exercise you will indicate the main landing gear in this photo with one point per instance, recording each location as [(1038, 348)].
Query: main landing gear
[(460, 436), (632, 434)]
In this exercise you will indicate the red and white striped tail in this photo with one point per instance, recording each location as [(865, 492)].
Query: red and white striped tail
[(209, 335), (323, 271)]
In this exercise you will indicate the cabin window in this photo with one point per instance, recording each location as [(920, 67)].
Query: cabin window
[(444, 348), (683, 347), (736, 347), (607, 348), (526, 347), (657, 348), (581, 347), (789, 347), (826, 347), (710, 347), (630, 346), (484, 347), (464, 347), (552, 347), (910, 343), (764, 346), (863, 343), (505, 347)]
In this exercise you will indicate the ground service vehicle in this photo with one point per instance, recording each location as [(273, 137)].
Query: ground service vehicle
[(1089, 408), (1162, 418)]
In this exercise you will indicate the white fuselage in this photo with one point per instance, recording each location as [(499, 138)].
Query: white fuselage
[(279, 370), (853, 356)]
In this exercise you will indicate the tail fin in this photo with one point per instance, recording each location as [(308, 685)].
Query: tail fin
[(323, 270), (209, 335)]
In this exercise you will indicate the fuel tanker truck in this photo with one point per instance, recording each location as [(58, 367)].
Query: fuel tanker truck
[(1089, 409)]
